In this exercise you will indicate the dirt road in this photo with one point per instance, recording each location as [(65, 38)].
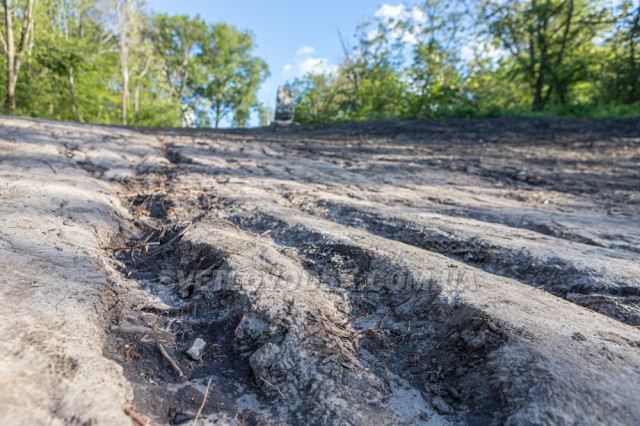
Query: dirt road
[(439, 272)]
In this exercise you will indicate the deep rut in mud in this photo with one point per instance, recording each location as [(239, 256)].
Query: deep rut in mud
[(556, 275), (402, 347), (427, 346), (323, 306), (164, 311)]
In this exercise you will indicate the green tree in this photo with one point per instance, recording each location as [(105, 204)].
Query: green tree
[(399, 67), (230, 74), (434, 76), (550, 42), (16, 37), (177, 42), (621, 56), (369, 81), (435, 81), (318, 98), (265, 114)]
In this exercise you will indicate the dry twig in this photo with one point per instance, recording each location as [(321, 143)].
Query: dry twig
[(136, 213), (138, 247), (171, 241), (273, 386), (244, 418), (393, 308), (386, 369), (204, 400), (50, 166), (350, 320), (135, 416), (131, 351), (170, 360)]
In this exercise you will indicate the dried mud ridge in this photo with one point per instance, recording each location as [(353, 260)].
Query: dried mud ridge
[(464, 272)]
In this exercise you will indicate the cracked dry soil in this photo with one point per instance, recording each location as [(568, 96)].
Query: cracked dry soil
[(435, 272)]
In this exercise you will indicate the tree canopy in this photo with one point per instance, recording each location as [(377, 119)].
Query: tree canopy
[(110, 61), (483, 58)]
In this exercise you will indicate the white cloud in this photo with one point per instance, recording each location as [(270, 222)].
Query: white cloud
[(409, 37), (401, 11), (304, 63), (304, 66), (417, 15), (306, 51), (389, 14), (481, 49), (388, 11)]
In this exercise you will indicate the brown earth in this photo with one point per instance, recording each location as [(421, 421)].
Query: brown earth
[(435, 272)]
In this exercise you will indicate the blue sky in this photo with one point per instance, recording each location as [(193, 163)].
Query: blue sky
[(293, 36)]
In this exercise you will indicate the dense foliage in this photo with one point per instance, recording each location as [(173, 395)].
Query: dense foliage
[(110, 61), (484, 58)]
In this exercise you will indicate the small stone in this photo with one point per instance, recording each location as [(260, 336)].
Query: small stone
[(166, 279), (440, 406), (422, 416), (415, 369), (475, 341), (453, 393), (579, 337), (197, 349)]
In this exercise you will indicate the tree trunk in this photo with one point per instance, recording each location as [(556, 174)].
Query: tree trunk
[(635, 74), (136, 103), (72, 88), (539, 79), (11, 55), (184, 74), (562, 83), (125, 91), (539, 98), (122, 11), (14, 59), (72, 94), (538, 101), (136, 93)]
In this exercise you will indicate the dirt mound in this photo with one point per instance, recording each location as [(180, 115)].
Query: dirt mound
[(413, 273)]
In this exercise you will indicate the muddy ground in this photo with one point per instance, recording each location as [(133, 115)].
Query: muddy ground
[(436, 272)]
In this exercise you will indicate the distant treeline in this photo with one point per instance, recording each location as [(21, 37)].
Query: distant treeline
[(483, 58), (111, 61)]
